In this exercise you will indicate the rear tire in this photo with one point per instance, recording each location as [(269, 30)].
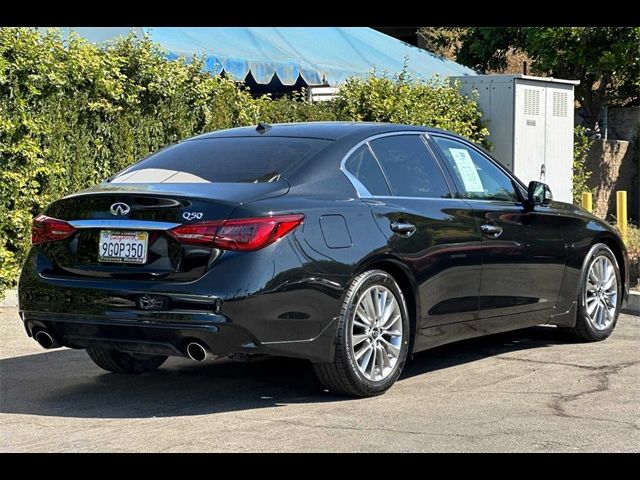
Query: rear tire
[(599, 296), (370, 349), (123, 362)]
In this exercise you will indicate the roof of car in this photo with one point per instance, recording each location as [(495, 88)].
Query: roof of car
[(325, 130)]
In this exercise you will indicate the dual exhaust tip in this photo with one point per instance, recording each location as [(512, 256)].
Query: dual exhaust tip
[(46, 340), (198, 352), (195, 350)]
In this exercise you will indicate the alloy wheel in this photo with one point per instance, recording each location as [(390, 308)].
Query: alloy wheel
[(601, 293), (376, 333)]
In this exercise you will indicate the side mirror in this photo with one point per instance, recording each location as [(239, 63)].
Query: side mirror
[(538, 193)]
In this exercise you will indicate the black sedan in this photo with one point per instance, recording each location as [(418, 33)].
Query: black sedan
[(347, 244)]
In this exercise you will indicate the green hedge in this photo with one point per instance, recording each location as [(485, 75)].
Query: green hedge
[(72, 113)]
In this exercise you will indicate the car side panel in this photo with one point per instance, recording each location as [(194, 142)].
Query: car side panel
[(444, 255), (324, 246), (581, 230), (443, 264), (523, 268)]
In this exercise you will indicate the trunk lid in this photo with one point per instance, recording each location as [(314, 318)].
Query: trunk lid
[(150, 208)]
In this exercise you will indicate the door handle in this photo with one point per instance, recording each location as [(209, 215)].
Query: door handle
[(491, 231), (403, 228)]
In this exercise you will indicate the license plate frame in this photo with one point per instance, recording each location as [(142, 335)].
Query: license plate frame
[(125, 246)]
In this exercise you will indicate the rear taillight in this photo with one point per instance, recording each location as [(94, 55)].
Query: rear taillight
[(241, 234), (254, 233), (47, 229), (201, 233)]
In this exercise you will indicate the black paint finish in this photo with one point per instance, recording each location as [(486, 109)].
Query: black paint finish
[(523, 268), (285, 299)]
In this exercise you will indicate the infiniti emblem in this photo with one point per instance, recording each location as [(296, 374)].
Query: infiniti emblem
[(152, 302), (120, 208)]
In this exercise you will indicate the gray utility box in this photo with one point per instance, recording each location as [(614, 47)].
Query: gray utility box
[(531, 124)]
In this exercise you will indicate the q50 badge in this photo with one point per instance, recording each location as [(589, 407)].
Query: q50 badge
[(192, 215)]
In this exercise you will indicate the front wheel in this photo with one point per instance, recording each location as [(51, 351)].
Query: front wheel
[(372, 338), (599, 297), (123, 362)]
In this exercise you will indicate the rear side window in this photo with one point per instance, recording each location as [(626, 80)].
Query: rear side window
[(224, 160), (362, 165), (410, 168)]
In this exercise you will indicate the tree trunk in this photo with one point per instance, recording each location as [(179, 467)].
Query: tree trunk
[(591, 100)]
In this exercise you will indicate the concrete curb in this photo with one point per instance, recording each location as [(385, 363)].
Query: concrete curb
[(10, 299), (633, 304)]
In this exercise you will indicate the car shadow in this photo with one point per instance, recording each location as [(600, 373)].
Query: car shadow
[(65, 383), (459, 353)]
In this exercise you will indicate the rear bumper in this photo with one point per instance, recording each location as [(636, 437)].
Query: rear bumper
[(167, 338), (238, 307)]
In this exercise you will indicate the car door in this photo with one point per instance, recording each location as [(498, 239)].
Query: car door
[(523, 251), (433, 232)]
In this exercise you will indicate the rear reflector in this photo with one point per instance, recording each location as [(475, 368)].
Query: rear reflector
[(239, 234), (47, 229)]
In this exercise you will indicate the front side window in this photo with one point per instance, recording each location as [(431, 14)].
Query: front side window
[(477, 176), (363, 166), (222, 160), (410, 168)]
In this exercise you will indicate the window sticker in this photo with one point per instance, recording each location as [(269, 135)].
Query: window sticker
[(467, 170)]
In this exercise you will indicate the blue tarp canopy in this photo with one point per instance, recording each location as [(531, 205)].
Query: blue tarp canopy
[(320, 55)]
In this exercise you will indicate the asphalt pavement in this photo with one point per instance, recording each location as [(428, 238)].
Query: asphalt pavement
[(533, 390)]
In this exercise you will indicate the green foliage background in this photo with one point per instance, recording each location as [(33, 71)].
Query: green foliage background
[(581, 174), (606, 60), (72, 113)]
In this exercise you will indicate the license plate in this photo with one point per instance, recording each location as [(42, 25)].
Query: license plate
[(122, 246)]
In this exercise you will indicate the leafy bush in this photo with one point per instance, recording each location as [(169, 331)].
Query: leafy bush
[(401, 99), (295, 107), (72, 113), (581, 175), (633, 249)]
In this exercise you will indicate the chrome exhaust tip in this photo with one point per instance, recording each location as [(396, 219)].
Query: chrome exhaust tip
[(197, 352), (45, 340)]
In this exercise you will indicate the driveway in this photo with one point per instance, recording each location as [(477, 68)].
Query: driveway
[(531, 390)]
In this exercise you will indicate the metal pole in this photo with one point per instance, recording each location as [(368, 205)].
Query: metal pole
[(587, 201), (621, 212)]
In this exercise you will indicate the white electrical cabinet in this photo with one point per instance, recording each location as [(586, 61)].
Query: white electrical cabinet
[(530, 120), (322, 94)]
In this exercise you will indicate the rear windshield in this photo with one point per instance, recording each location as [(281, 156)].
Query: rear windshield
[(232, 160)]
